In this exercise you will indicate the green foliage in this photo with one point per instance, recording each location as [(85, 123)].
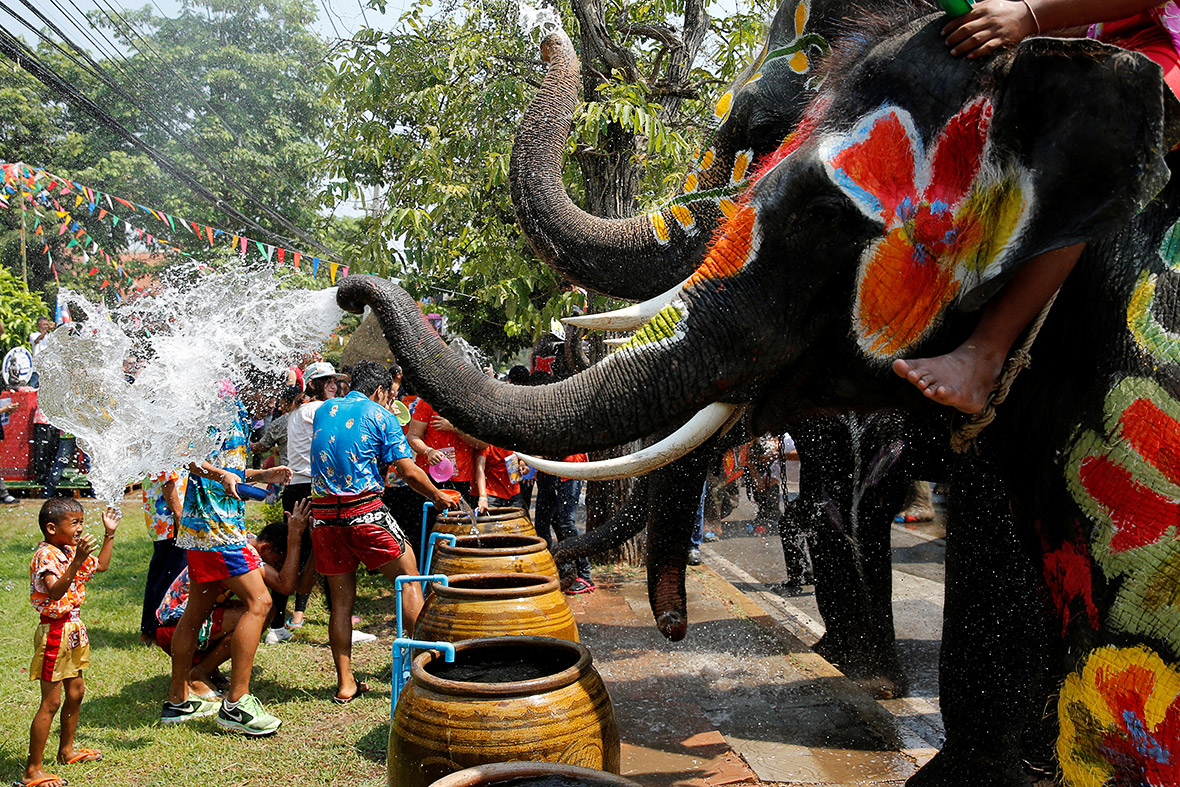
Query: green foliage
[(239, 82), (428, 114), (19, 310)]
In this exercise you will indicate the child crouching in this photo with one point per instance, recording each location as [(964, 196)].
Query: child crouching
[(62, 564)]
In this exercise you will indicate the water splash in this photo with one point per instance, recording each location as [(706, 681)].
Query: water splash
[(545, 18), (183, 342)]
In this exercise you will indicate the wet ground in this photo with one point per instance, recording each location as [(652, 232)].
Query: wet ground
[(743, 700)]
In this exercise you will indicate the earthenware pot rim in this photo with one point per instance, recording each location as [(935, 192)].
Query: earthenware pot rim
[(496, 514), (558, 680), (500, 772), (523, 586), (531, 545)]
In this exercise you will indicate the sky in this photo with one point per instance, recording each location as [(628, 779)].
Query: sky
[(335, 18)]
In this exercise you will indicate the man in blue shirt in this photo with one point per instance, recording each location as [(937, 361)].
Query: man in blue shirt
[(353, 437)]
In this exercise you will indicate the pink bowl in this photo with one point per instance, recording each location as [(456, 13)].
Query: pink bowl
[(442, 471)]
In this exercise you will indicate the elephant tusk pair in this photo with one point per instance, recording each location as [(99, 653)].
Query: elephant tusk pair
[(699, 428), (629, 319)]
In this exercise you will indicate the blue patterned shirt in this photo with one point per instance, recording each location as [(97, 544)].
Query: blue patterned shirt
[(352, 437), (211, 520)]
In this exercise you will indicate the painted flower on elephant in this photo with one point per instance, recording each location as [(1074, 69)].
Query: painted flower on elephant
[(950, 218), (1120, 720), (1126, 479), (1150, 334)]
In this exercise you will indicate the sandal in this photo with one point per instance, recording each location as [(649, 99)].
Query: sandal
[(82, 755), (44, 781), (361, 688)]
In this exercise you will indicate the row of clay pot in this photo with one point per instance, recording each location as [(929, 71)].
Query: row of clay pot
[(532, 695)]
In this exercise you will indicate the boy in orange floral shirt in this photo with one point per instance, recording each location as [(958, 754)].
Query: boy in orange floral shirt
[(62, 564)]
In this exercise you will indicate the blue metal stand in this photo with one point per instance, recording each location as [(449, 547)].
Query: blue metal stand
[(422, 539), (450, 538), (402, 645)]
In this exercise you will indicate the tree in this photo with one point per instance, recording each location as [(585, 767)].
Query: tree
[(428, 114), (238, 85)]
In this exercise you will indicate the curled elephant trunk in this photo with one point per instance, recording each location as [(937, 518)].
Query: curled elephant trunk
[(633, 258), (623, 398)]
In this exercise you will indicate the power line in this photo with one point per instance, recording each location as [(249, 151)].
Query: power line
[(22, 55), (58, 83)]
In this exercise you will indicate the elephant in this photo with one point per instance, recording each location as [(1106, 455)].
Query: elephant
[(871, 193)]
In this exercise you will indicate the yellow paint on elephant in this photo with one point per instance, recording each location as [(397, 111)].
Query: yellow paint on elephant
[(707, 160), (683, 216), (753, 79), (1117, 719), (724, 104), (728, 207), (799, 62), (662, 326), (1155, 339), (741, 163), (691, 182), (802, 11), (659, 227)]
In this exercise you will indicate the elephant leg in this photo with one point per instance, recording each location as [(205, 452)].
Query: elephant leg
[(673, 501), (994, 638)]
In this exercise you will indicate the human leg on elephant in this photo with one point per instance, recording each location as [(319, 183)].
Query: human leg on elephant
[(965, 377)]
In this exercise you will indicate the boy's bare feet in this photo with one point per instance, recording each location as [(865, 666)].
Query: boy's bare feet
[(962, 379)]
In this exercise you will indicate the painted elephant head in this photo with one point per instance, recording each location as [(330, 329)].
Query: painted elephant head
[(897, 198)]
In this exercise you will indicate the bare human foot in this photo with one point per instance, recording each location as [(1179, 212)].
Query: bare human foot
[(36, 775), (962, 379)]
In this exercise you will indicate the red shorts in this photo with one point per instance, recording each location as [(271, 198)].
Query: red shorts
[(342, 544), (216, 566)]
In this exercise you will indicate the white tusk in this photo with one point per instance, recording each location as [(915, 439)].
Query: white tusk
[(698, 429), (628, 319), (616, 342)]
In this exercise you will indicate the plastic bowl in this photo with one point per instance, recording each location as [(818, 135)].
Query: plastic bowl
[(442, 471)]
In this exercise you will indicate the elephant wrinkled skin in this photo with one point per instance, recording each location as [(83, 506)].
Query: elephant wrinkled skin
[(882, 208)]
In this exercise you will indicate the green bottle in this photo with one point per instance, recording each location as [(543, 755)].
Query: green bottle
[(955, 8)]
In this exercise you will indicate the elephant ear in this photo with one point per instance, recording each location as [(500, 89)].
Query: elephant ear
[(1086, 121)]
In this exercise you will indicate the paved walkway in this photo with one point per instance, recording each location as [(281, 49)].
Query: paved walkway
[(742, 700)]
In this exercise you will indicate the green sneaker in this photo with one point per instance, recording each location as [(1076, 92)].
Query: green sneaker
[(192, 708), (248, 718)]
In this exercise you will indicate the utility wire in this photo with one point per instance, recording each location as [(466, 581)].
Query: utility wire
[(46, 74), (18, 52)]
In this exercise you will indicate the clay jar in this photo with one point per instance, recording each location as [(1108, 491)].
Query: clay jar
[(495, 605), (499, 553), (532, 774), (504, 699), (497, 520)]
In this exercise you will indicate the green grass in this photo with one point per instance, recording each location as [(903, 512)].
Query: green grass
[(319, 743)]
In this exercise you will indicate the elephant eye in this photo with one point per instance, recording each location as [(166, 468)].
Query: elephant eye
[(824, 208)]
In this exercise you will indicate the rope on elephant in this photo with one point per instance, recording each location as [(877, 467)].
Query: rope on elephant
[(963, 436)]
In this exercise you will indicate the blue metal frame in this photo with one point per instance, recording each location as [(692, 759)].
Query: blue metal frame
[(402, 645), (450, 538), (422, 539)]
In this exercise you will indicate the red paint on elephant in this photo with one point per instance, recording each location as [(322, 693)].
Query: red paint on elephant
[(1141, 752), (1155, 435), (1140, 514), (947, 218), (1068, 574)]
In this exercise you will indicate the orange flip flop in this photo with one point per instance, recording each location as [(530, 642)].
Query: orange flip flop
[(51, 778), (83, 755)]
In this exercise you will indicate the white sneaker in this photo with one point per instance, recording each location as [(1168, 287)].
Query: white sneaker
[(275, 636), (359, 637)]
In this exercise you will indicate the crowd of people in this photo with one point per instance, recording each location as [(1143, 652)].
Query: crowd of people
[(348, 456)]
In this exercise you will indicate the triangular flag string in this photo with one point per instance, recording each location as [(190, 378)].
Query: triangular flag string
[(40, 184)]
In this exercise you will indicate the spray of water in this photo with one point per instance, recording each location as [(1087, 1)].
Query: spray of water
[(531, 19), (188, 344)]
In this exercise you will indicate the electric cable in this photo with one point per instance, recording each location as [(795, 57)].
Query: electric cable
[(26, 58)]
